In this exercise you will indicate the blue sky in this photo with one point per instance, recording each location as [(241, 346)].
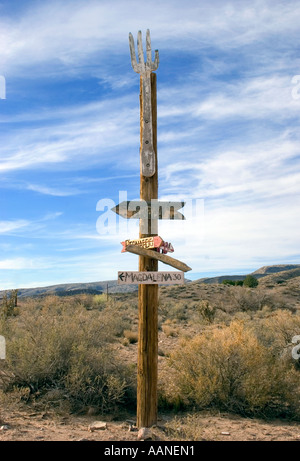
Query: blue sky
[(228, 134)]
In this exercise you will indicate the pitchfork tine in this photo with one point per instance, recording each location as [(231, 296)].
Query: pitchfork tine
[(148, 48), (140, 48), (156, 60), (132, 53), (144, 69), (142, 66)]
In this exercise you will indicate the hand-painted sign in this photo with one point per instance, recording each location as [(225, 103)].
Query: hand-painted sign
[(165, 247), (141, 209), (150, 278), (147, 242), (155, 243)]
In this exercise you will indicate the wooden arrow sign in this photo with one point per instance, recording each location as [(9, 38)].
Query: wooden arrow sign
[(147, 242), (160, 257), (150, 278), (141, 209), (153, 242)]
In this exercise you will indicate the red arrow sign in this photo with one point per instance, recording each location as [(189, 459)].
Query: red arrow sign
[(165, 247), (147, 242)]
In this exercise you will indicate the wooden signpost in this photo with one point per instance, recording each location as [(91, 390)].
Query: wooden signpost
[(148, 210)]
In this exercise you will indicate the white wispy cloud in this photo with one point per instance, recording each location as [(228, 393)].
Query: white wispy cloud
[(46, 190), (69, 33), (94, 137), (254, 98), (22, 264), (10, 226)]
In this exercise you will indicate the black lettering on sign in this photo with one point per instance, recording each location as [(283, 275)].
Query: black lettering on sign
[(135, 277)]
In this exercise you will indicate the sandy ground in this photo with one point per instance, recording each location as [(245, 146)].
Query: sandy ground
[(26, 426)]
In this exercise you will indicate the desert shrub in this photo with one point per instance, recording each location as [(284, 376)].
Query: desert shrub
[(250, 281), (63, 346), (92, 380), (179, 311), (164, 308), (206, 310), (247, 299), (100, 301), (233, 282), (229, 369), (190, 427), (86, 300), (169, 330), (9, 304), (276, 332), (131, 336), (174, 310)]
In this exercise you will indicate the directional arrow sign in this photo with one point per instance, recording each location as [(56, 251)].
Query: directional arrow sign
[(121, 277), (140, 209), (150, 278), (160, 257), (147, 242)]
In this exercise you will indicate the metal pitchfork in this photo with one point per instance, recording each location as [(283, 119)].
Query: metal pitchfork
[(144, 69)]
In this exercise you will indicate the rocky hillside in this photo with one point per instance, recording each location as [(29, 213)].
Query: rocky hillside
[(68, 289), (259, 273), (280, 277), (267, 270)]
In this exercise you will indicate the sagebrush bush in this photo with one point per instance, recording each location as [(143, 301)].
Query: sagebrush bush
[(206, 310), (230, 369), (276, 332), (9, 303), (131, 336), (55, 343)]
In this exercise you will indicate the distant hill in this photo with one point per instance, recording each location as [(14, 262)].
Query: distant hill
[(68, 289), (271, 274), (220, 278), (266, 270), (280, 277), (259, 273)]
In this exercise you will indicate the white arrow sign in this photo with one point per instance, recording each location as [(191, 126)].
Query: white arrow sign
[(140, 209)]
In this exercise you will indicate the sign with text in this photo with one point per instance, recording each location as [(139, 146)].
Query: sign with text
[(154, 242), (150, 278), (147, 242)]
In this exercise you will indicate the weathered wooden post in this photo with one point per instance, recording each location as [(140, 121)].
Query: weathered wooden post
[(149, 244), (148, 294)]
